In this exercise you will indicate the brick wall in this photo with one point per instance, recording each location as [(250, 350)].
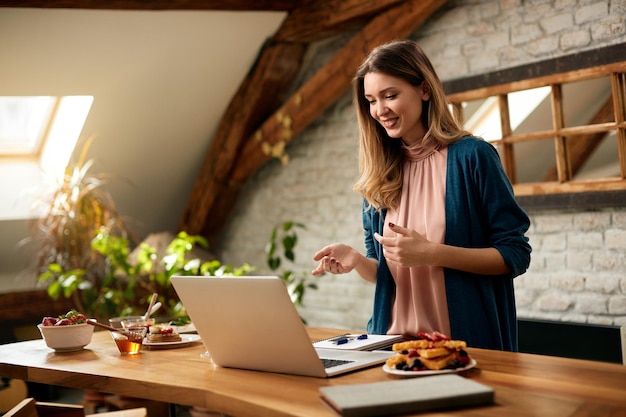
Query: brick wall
[(578, 269)]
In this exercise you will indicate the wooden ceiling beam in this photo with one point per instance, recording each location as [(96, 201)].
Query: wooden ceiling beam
[(329, 83), (261, 92), (323, 18), (212, 198), (234, 5)]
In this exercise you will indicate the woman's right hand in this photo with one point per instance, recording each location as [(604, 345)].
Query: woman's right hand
[(336, 258)]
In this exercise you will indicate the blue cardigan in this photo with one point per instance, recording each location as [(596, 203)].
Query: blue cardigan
[(481, 211)]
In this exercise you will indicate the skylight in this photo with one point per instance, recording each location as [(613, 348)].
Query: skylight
[(37, 137), (23, 122)]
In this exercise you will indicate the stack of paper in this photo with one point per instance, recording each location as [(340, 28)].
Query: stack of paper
[(359, 341)]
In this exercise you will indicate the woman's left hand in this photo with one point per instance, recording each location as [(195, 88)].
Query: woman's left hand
[(407, 249)]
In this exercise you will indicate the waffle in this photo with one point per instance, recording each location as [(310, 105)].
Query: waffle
[(433, 354)]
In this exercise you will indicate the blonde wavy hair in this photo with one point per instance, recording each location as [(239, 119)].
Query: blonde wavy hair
[(380, 156)]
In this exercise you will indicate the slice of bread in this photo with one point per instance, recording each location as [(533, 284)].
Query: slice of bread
[(438, 363), (433, 353)]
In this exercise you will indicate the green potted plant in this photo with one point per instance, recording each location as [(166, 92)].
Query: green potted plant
[(130, 278), (285, 236), (69, 215)]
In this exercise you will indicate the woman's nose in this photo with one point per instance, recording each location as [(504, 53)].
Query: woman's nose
[(380, 109)]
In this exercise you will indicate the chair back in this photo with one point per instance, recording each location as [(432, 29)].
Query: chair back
[(572, 340)]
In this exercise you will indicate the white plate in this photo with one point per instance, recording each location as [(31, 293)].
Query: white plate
[(426, 373), (186, 339)]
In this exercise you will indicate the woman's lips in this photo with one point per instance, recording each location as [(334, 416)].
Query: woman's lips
[(388, 123)]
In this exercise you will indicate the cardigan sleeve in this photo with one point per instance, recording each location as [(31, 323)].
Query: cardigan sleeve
[(384, 292), (483, 211)]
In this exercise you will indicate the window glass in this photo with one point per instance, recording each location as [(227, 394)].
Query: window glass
[(23, 122)]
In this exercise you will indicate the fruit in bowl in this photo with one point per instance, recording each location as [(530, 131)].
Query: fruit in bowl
[(66, 333)]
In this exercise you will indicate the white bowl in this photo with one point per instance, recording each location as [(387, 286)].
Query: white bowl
[(66, 338)]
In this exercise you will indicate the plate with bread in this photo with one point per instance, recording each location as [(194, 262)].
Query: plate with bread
[(433, 353), (168, 337)]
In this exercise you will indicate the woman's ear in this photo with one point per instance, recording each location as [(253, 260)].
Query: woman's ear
[(425, 89)]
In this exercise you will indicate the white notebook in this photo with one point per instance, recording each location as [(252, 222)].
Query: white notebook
[(359, 341), (406, 396)]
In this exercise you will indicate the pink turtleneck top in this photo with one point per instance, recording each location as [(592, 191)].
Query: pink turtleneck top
[(420, 302)]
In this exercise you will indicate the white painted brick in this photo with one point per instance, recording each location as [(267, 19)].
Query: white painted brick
[(564, 4), (472, 48), (553, 223), (615, 239), (602, 284), (601, 320), (609, 261), (610, 28), (494, 41), (591, 12), (591, 221), (555, 262), (591, 240), (543, 46), (524, 297), (554, 301), (580, 260), (489, 10), (525, 33), (591, 304), (537, 263), (618, 218), (556, 23), (510, 4), (554, 242), (575, 39), (617, 305), (536, 282), (483, 62), (618, 7), (569, 282)]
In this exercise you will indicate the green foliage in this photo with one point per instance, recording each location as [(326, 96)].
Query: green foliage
[(285, 236), (127, 284)]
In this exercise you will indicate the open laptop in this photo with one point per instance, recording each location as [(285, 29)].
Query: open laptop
[(251, 323)]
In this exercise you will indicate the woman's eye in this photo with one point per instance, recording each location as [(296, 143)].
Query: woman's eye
[(390, 96)]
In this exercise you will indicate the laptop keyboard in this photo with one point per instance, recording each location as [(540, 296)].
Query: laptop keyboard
[(329, 363)]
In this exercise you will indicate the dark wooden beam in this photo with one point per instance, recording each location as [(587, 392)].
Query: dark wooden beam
[(329, 83), (213, 196), (261, 92), (237, 5), (321, 19)]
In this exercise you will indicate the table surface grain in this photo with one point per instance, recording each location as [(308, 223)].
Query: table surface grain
[(525, 384)]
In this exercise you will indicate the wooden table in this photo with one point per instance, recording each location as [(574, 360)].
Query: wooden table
[(525, 385)]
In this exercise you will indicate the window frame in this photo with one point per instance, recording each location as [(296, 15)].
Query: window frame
[(565, 192)]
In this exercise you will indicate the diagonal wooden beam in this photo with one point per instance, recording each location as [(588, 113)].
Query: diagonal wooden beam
[(328, 84), (323, 18), (260, 93), (210, 205), (258, 96)]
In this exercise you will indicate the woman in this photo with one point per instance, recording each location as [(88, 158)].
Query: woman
[(444, 235)]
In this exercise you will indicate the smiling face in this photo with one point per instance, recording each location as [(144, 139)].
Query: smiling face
[(396, 105)]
